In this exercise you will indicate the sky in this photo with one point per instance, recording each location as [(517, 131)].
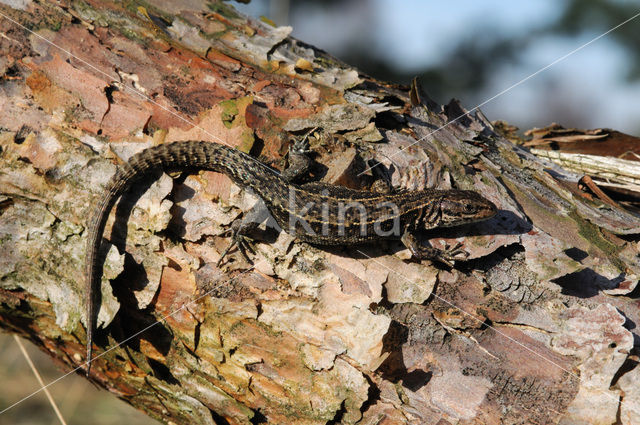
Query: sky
[(586, 90)]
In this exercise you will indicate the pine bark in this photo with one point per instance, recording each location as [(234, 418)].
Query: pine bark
[(536, 326)]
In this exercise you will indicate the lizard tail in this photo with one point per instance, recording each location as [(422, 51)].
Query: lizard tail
[(177, 155), (119, 183)]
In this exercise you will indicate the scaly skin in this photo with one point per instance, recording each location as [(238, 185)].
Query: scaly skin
[(315, 212)]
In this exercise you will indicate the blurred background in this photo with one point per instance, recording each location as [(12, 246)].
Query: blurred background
[(472, 50), (78, 400), (468, 49)]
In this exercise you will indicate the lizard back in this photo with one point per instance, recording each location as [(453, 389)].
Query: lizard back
[(315, 212)]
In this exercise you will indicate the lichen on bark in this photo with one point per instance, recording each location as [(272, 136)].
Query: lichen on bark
[(308, 335)]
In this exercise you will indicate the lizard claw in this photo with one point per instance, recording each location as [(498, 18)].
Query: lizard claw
[(244, 245), (446, 256), (301, 146), (455, 251), (242, 242), (452, 253)]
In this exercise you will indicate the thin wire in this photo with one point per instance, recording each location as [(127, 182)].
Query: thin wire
[(139, 93), (134, 90), (82, 365), (39, 378), (555, 62)]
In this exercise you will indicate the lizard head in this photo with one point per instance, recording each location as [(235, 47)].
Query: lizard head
[(464, 206)]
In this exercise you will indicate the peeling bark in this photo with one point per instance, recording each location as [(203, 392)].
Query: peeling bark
[(537, 326)]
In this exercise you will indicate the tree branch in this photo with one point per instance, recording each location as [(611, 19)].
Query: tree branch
[(537, 326)]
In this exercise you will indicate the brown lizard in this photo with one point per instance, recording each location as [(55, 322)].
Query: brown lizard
[(317, 213)]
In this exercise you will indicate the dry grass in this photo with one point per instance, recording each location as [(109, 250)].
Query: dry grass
[(78, 400)]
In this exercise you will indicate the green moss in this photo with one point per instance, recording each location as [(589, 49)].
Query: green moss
[(229, 112), (131, 35), (55, 26), (325, 62), (223, 9), (212, 36), (130, 26), (246, 141), (83, 9), (268, 21), (14, 276), (48, 19), (593, 235), (232, 115)]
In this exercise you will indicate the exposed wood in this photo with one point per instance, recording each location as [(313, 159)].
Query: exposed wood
[(596, 142), (537, 326), (607, 169)]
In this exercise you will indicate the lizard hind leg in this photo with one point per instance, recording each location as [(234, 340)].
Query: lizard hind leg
[(243, 244), (241, 228)]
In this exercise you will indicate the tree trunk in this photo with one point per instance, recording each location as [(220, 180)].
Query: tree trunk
[(536, 326)]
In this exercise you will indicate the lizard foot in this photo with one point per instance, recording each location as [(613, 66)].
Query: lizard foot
[(241, 241), (450, 254), (423, 252)]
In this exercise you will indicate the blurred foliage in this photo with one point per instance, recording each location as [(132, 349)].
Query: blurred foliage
[(470, 66), (600, 16)]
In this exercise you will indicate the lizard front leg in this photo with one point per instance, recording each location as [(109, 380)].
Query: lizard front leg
[(423, 252), (300, 161)]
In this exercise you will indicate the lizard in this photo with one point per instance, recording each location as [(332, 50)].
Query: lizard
[(317, 213)]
